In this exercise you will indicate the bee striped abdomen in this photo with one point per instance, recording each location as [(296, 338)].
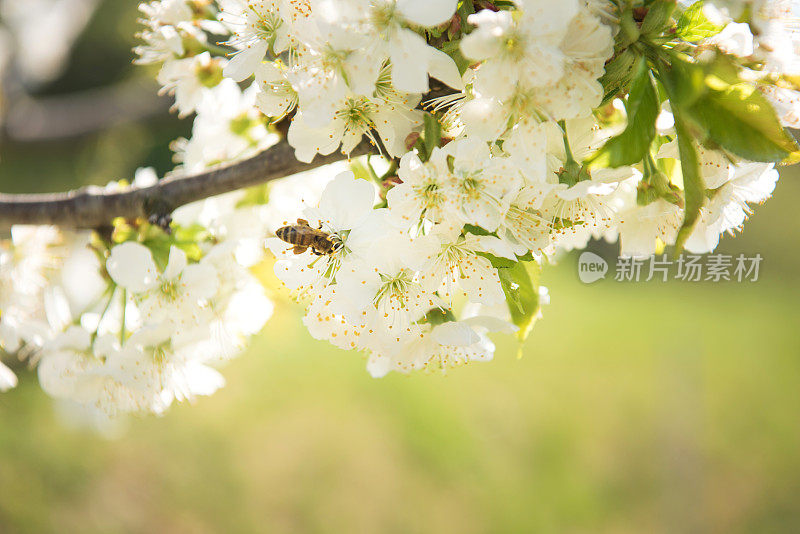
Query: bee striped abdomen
[(285, 233), (290, 234)]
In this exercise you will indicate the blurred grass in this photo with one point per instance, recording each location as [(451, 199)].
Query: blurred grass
[(636, 408)]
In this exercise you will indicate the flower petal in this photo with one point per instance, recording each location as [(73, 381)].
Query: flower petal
[(131, 266), (200, 281), (443, 68), (456, 334), (245, 62), (409, 74), (427, 12), (345, 201), (176, 264)]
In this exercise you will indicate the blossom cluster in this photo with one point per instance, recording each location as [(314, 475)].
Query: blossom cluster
[(383, 292), (505, 134), (131, 322)]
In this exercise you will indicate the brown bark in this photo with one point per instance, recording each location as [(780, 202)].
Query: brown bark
[(93, 207)]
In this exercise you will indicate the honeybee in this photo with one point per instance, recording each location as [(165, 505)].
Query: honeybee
[(303, 237)]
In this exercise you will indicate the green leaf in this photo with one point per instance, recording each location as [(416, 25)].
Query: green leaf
[(693, 25), (739, 119), (693, 186), (658, 17), (438, 316), (496, 261), (189, 239), (618, 73), (642, 107), (434, 32), (452, 49), (432, 133), (522, 295), (477, 230), (683, 80), (726, 110)]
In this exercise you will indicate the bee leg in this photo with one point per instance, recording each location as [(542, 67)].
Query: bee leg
[(302, 222), (297, 249)]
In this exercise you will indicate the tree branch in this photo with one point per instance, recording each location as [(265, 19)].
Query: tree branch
[(93, 207)]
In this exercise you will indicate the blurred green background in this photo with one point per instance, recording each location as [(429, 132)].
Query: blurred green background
[(637, 407)]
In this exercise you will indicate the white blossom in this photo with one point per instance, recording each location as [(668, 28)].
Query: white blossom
[(386, 24), (259, 26), (543, 60), (728, 207), (144, 375), (353, 118), (172, 295), (345, 212), (641, 226), (440, 347), (188, 79), (227, 127), (482, 186), (276, 97), (422, 195), (454, 266)]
